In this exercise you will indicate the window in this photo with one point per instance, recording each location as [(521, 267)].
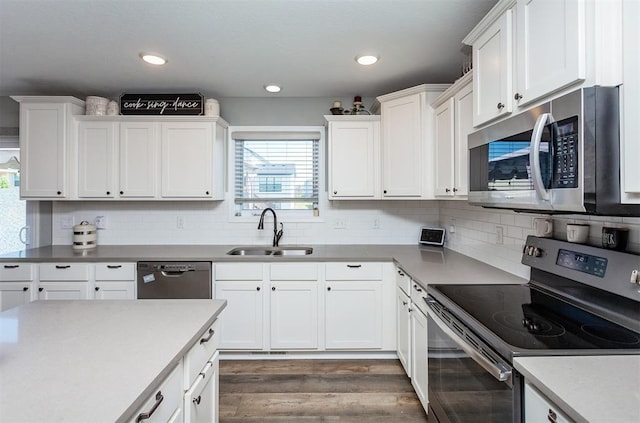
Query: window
[(277, 170)]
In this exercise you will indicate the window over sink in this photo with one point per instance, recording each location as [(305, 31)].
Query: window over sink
[(277, 168)]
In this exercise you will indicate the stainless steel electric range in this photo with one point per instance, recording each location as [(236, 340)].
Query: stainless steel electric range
[(580, 300)]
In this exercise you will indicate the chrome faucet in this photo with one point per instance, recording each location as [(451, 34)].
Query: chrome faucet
[(277, 234)]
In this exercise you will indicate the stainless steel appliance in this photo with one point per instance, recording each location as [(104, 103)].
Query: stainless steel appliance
[(174, 280), (578, 301), (562, 156)]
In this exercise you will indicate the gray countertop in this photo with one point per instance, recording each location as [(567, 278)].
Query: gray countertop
[(427, 265), (593, 389), (92, 360)]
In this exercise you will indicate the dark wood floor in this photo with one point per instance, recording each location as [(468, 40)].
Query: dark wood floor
[(345, 391)]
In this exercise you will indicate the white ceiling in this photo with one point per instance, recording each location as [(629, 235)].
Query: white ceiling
[(231, 48)]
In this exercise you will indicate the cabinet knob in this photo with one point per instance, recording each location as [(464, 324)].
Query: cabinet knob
[(417, 288), (59, 192), (121, 192), (328, 288), (447, 190), (273, 288), (207, 192), (384, 192), (197, 400), (500, 106), (26, 288), (97, 288), (108, 192), (517, 97), (404, 303), (455, 190), (335, 192), (40, 289), (258, 289)]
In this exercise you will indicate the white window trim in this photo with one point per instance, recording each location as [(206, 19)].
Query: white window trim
[(283, 215)]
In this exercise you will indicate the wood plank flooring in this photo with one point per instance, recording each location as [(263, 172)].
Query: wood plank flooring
[(309, 391)]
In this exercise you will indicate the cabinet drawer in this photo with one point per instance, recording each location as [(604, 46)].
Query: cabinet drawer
[(294, 272), (16, 272), (238, 272), (418, 294), (403, 281), (196, 359), (167, 397), (64, 272), (353, 271), (115, 271)]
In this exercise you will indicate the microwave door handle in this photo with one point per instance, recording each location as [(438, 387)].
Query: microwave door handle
[(534, 156), (498, 371)]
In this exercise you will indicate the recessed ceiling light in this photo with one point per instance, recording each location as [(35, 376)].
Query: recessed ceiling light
[(366, 59), (153, 59), (272, 88)]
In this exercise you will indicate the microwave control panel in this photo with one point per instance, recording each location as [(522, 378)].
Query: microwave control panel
[(565, 157)]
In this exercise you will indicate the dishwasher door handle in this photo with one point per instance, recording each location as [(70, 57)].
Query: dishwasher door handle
[(172, 273)]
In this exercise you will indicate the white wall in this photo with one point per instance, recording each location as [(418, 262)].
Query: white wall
[(475, 233)]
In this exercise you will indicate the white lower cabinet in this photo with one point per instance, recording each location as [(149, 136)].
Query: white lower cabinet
[(537, 408), (63, 281), (419, 367), (294, 315), (403, 321), (115, 281), (201, 400), (16, 284), (165, 405), (241, 329)]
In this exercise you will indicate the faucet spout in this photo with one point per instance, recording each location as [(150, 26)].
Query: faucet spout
[(276, 234)]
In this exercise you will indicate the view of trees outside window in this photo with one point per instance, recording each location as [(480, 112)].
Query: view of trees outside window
[(12, 209)]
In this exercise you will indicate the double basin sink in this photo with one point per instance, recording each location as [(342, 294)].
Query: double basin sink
[(270, 251)]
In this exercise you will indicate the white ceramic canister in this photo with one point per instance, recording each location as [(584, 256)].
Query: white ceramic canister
[(96, 105), (112, 108), (211, 107), (84, 236)]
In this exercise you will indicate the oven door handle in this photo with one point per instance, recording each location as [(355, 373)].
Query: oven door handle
[(499, 372)]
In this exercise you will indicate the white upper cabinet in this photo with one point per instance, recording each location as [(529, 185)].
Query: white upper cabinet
[(528, 51), (550, 41), (45, 127), (492, 71), (187, 160), (453, 123), (97, 165), (407, 142), (139, 156), (354, 157)]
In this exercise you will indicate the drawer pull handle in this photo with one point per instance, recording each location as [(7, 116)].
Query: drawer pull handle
[(208, 338), (196, 401), (11, 266), (354, 266), (114, 266), (145, 416), (417, 288), (400, 273), (552, 416), (62, 267)]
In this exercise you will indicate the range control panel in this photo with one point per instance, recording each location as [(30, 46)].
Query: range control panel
[(586, 263)]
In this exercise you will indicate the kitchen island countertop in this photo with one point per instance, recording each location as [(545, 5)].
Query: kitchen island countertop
[(593, 389), (93, 360), (426, 265)]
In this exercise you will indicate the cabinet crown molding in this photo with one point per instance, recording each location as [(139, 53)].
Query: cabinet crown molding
[(146, 118), (423, 88), (488, 20), (48, 99), (453, 89), (351, 118)]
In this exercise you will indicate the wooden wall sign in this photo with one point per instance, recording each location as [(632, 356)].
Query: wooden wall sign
[(161, 104)]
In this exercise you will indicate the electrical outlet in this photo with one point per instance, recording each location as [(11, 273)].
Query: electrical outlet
[(66, 222), (376, 223), (101, 222), (180, 222), (339, 223), (452, 226), (499, 235)]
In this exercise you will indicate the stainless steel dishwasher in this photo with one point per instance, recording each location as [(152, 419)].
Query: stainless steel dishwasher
[(174, 280)]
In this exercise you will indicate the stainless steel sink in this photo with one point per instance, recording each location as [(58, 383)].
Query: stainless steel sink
[(270, 251)]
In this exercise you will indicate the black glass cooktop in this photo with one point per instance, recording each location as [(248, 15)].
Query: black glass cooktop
[(527, 318)]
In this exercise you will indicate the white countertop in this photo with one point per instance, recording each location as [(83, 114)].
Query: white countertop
[(91, 361), (593, 389)]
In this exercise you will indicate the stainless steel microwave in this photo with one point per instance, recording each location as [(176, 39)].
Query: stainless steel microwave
[(560, 157)]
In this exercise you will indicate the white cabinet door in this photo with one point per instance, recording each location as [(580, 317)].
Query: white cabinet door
[(294, 315), (463, 106), (241, 327), (402, 151), (97, 166), (43, 150), (13, 294), (537, 408), (403, 321), (543, 26), (139, 160), (353, 317), (201, 400), (187, 160), (445, 149), (114, 290), (492, 71), (63, 290), (353, 158), (419, 367)]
